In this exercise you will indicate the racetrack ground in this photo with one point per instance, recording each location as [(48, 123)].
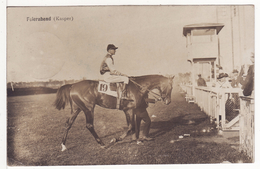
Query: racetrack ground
[(35, 129)]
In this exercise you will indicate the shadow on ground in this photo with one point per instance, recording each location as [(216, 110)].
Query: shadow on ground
[(163, 127)]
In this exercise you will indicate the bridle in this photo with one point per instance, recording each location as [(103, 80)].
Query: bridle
[(155, 95)]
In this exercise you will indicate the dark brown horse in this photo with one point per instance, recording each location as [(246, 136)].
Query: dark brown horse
[(84, 95)]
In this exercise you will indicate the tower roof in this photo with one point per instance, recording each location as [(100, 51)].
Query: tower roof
[(188, 28)]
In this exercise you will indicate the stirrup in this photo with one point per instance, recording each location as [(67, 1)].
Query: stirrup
[(124, 96)]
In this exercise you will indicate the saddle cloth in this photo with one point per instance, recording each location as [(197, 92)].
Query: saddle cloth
[(107, 88)]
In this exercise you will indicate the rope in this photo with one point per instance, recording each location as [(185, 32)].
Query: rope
[(147, 90)]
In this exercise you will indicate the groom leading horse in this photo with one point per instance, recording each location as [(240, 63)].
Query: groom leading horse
[(84, 95)]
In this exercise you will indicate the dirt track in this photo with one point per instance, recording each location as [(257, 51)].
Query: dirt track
[(35, 130)]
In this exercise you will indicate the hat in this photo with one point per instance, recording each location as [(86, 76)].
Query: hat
[(252, 54), (218, 66), (221, 75), (235, 71), (111, 46)]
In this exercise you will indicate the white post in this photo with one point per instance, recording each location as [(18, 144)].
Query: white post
[(12, 85), (193, 79)]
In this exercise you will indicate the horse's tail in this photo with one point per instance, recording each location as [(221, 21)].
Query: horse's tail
[(63, 97)]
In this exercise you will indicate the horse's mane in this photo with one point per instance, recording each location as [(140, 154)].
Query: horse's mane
[(143, 77)]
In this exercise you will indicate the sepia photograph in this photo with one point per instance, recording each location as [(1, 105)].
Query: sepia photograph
[(109, 85)]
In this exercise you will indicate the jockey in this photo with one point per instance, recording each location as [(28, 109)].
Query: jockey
[(109, 72)]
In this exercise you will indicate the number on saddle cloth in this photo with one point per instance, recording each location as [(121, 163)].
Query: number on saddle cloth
[(108, 88)]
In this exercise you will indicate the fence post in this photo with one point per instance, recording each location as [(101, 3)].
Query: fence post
[(246, 123)]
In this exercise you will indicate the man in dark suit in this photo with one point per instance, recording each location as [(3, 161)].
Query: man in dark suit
[(142, 114), (201, 81), (248, 85)]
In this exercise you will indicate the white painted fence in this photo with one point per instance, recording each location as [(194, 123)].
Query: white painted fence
[(213, 102), (247, 125), (187, 89), (208, 101)]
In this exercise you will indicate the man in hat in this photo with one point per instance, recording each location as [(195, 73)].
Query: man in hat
[(201, 81), (110, 74), (234, 80)]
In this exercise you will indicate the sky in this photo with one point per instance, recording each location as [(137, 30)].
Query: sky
[(149, 40)]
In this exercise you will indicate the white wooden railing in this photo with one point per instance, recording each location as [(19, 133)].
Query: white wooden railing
[(207, 100), (187, 89), (213, 100), (247, 125)]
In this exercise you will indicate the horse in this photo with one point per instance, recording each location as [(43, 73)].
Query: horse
[(84, 95)]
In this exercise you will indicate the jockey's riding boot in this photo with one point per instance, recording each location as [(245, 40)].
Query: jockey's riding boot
[(119, 92), (124, 93)]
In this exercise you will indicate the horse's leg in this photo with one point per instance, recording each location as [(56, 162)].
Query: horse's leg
[(71, 106), (133, 123), (147, 123), (88, 109), (89, 124), (137, 124), (129, 120), (68, 126)]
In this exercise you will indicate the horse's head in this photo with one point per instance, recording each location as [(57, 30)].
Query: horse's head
[(161, 83), (166, 89)]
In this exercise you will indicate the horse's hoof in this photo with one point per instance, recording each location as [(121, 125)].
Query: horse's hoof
[(139, 143), (103, 147), (63, 147), (147, 139), (113, 140), (134, 137)]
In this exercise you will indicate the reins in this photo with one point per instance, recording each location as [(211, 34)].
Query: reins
[(158, 99)]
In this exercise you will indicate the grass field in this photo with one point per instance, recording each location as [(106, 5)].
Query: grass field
[(35, 129)]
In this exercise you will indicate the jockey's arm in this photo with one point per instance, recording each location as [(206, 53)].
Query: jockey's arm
[(112, 68)]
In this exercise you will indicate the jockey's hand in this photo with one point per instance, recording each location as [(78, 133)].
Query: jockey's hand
[(114, 72), (124, 75)]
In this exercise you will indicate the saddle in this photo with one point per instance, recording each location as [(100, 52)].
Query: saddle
[(112, 89), (107, 88)]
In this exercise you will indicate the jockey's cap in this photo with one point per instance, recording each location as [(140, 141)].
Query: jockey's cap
[(111, 46)]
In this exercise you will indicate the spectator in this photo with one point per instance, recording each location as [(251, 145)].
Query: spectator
[(235, 83), (201, 81), (219, 70), (234, 80), (248, 85), (222, 79)]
